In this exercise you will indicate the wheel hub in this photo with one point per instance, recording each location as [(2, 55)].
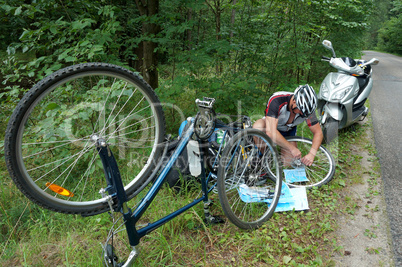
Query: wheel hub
[(98, 140)]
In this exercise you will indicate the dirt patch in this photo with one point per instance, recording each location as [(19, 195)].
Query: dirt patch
[(364, 232)]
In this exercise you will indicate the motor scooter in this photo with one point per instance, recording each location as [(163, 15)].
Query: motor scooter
[(342, 94)]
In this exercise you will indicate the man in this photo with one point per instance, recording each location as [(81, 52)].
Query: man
[(283, 113)]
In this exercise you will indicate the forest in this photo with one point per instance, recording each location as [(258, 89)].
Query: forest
[(228, 49)]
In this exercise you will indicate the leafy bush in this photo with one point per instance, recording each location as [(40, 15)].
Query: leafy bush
[(390, 35)]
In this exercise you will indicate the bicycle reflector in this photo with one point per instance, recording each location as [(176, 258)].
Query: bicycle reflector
[(59, 190)]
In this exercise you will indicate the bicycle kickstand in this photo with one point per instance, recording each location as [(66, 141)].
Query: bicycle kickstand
[(210, 219)]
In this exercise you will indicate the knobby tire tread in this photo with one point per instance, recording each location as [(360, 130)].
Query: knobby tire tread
[(33, 94)]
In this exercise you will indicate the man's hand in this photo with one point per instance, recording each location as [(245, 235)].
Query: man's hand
[(308, 159), (295, 152)]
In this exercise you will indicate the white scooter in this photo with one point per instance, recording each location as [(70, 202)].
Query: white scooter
[(343, 94)]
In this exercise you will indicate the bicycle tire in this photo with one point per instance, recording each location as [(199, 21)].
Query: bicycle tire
[(247, 197), (318, 174), (50, 137)]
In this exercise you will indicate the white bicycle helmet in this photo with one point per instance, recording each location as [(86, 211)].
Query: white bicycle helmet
[(306, 99)]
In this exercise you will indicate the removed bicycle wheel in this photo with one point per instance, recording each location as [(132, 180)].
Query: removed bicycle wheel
[(297, 174)]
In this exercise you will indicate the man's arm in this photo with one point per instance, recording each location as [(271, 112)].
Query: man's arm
[(317, 139)]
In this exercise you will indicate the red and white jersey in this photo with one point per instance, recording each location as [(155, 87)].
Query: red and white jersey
[(278, 107)]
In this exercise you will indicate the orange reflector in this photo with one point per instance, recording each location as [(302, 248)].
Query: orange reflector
[(59, 190)]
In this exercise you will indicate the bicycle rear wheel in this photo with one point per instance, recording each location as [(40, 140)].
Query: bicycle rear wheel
[(318, 174), (50, 138), (247, 197)]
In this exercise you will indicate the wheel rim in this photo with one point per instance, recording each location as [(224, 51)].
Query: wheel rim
[(56, 139)]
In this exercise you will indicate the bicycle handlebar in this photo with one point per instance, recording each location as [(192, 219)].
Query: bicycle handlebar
[(206, 102)]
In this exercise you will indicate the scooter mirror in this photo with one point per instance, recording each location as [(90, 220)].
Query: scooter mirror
[(372, 61), (375, 61), (327, 44)]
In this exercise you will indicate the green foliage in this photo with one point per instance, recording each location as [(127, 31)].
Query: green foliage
[(385, 27), (228, 51), (271, 46), (69, 39), (11, 24), (60, 34), (390, 35)]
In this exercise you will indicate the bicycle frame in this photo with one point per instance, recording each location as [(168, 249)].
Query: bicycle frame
[(116, 189)]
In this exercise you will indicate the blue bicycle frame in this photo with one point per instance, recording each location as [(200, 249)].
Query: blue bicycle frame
[(116, 189)]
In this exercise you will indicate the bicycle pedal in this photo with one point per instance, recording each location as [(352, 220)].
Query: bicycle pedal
[(211, 220), (207, 205)]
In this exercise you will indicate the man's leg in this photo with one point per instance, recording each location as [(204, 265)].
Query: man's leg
[(287, 157), (260, 124)]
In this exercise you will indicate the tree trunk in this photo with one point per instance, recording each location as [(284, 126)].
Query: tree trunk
[(232, 19), (147, 55), (217, 9), (139, 51), (189, 33)]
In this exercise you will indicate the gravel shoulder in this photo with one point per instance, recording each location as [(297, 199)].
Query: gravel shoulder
[(364, 232)]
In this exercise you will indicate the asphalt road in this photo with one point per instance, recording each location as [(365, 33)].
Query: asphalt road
[(386, 108)]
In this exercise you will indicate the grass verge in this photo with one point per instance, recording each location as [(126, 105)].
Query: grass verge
[(31, 236)]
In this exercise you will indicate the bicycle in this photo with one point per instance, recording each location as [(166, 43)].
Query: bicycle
[(73, 123)]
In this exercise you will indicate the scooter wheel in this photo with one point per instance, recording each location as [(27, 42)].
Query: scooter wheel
[(330, 130)]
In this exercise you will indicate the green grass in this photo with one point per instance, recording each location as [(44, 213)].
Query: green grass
[(32, 236)]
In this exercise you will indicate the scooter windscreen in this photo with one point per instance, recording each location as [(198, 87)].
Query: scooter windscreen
[(349, 61)]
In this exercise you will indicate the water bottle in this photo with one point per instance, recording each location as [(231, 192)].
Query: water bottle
[(219, 137)]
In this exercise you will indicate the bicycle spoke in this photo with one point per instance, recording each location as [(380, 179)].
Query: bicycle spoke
[(50, 149)]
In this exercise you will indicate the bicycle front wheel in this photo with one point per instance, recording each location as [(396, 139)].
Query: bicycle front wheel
[(247, 196), (50, 138), (297, 174)]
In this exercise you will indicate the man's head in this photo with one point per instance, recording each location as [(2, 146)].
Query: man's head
[(305, 99)]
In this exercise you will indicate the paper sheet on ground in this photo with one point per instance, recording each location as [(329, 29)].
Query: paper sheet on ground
[(298, 201), (291, 198), (295, 175)]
